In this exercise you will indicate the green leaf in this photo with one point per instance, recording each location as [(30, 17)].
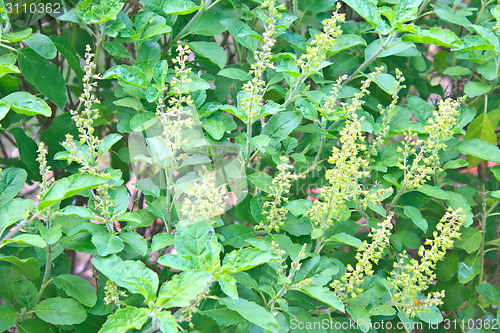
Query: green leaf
[(8, 317), (116, 49), (181, 7), (298, 207), (190, 239), (431, 316), (307, 109), (252, 312), (161, 241), (262, 180), (28, 239), (235, 73), (480, 149), (178, 262), (26, 267), (26, 293), (436, 36), (64, 47), (346, 41), (236, 234), (406, 10), (386, 82), (228, 286), (223, 316), (61, 311), (281, 125), (470, 239), (108, 142), (347, 239), (18, 36), (234, 26), (211, 51), (42, 45), (367, 9), (128, 75), (68, 187), (489, 293), (38, 71), (11, 182), (155, 30), (25, 103), (415, 215), (129, 274), (324, 295), (457, 71), (13, 211), (420, 108), (215, 128), (82, 212), (4, 108), (136, 242), (183, 288), (125, 319), (27, 151), (361, 315), (316, 5), (465, 273), (244, 259), (473, 89), (77, 287), (167, 322), (483, 127), (103, 11)]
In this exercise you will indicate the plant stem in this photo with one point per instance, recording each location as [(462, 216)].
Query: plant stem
[(486, 214), (47, 271), (99, 40), (422, 7), (181, 33), (284, 288), (249, 134), (383, 46)]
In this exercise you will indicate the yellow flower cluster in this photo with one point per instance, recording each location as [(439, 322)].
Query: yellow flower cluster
[(253, 90), (87, 156), (178, 115), (112, 294), (411, 276), (274, 212), (349, 165), (350, 282), (205, 199), (426, 161), (388, 113), (316, 52), (44, 170)]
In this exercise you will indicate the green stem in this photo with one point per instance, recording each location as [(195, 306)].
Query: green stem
[(20, 225), (249, 134), (295, 12), (401, 191), (100, 40), (486, 214), (47, 271), (383, 46), (422, 7), (181, 33)]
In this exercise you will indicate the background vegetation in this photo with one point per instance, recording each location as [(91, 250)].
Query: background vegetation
[(246, 166)]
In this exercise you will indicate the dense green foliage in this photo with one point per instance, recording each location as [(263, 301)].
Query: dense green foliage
[(249, 166)]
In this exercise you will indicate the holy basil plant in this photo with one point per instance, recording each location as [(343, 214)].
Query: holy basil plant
[(249, 166)]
